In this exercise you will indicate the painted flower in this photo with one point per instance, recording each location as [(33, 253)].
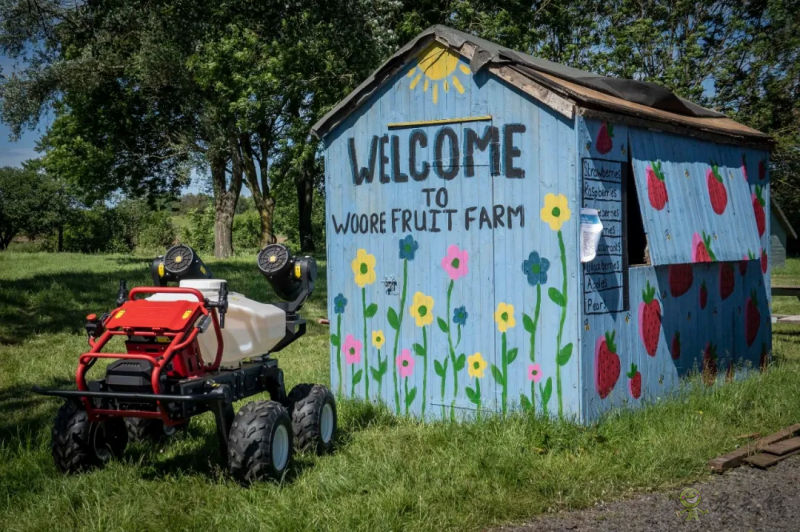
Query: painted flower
[(408, 247), (422, 309), (352, 350), (534, 372), (378, 339), (364, 268), (460, 316), (405, 363), (476, 365), (339, 303), (555, 211), (536, 269), (504, 316), (455, 262)]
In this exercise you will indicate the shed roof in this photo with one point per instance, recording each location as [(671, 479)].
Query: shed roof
[(779, 214), (641, 102)]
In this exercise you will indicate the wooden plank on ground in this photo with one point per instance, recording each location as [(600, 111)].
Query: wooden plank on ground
[(765, 460), (736, 458), (783, 447)]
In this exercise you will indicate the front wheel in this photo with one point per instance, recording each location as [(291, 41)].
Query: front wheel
[(260, 443), (79, 444), (314, 419)]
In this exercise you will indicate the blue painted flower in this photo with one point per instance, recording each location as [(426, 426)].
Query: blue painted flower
[(460, 316), (408, 247), (536, 269), (339, 302)]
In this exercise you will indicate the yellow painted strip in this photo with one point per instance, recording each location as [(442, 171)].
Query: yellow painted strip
[(425, 86), (435, 92), (414, 83), (465, 69), (446, 86), (441, 121), (411, 72), (457, 84)]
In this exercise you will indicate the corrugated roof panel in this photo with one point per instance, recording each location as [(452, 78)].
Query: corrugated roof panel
[(695, 198)]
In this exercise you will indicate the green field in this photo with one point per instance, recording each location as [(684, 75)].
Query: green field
[(388, 474)]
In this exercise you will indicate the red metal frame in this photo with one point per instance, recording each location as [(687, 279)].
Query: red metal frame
[(184, 339)]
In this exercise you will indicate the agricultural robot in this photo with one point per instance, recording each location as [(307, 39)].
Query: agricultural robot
[(194, 348)]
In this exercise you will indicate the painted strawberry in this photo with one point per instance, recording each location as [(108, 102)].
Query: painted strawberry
[(727, 280), (731, 373), (606, 364), (680, 279), (752, 319), (604, 136), (676, 345), (758, 210), (710, 364), (635, 382), (656, 189), (716, 189), (744, 167), (762, 170), (650, 319), (764, 262), (703, 295), (701, 248), (764, 360)]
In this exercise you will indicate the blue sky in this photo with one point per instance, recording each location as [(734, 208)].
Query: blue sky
[(14, 153)]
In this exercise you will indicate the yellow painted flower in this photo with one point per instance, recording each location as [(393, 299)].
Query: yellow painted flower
[(378, 339), (422, 309), (555, 211), (504, 316), (476, 365), (364, 268)]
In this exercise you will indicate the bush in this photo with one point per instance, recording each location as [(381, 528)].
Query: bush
[(247, 231), (158, 232), (199, 232)]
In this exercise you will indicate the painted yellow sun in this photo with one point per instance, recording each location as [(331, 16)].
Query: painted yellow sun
[(438, 65)]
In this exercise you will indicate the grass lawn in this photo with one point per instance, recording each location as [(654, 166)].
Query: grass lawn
[(388, 474)]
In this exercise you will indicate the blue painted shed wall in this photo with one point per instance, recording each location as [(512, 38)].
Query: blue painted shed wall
[(495, 264)]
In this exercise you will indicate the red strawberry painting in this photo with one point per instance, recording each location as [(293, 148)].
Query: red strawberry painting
[(703, 295), (758, 210), (727, 280), (763, 362), (635, 382), (716, 189), (752, 319), (744, 167), (606, 364), (650, 319), (762, 170), (710, 364), (656, 189), (680, 279), (604, 136), (701, 248), (676, 346), (764, 262)]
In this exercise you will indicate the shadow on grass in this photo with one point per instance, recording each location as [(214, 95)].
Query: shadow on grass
[(24, 414)]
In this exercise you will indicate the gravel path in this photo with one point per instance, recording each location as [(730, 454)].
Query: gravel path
[(744, 499)]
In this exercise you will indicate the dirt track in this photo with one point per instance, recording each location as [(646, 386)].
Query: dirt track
[(745, 499)]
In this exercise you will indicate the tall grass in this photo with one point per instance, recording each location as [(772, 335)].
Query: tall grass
[(388, 473)]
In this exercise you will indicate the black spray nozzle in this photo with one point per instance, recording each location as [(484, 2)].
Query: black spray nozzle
[(178, 263), (122, 293), (292, 278), (222, 303)]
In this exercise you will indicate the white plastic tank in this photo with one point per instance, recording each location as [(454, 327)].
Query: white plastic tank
[(251, 328)]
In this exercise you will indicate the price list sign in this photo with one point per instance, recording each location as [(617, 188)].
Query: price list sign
[(603, 277)]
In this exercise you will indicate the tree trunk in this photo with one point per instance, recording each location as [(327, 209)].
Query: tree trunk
[(225, 199), (263, 200), (60, 238), (305, 196)]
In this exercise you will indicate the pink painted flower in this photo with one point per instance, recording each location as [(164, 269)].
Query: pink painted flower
[(405, 363), (455, 263), (534, 372), (352, 350)]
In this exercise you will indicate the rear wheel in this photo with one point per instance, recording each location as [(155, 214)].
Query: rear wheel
[(314, 419), (151, 430), (260, 443), (79, 444)]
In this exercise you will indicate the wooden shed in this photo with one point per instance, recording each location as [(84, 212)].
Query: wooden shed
[(455, 178), (781, 231)]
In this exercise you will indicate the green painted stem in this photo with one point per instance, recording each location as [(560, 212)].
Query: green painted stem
[(450, 341), (339, 350), (561, 324), (397, 336), (405, 400), (352, 380), (504, 361), (478, 394), (366, 342), (424, 371), (380, 381), (533, 341)]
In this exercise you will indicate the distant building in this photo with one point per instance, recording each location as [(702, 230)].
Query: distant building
[(780, 231)]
